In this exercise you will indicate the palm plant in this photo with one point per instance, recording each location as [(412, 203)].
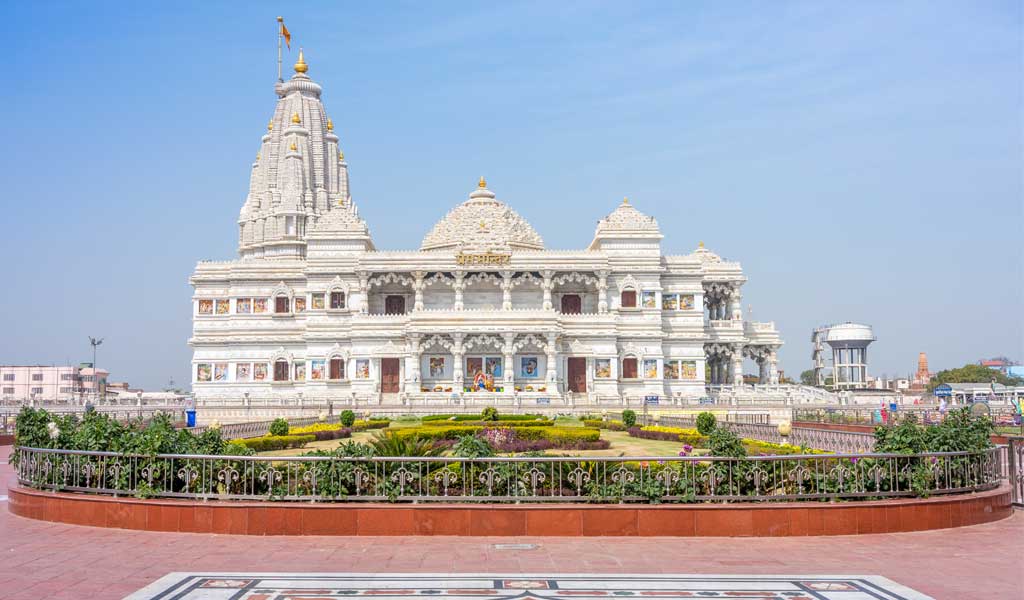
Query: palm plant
[(385, 443)]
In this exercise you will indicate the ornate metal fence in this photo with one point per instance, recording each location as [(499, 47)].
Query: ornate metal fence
[(1015, 459), (518, 479)]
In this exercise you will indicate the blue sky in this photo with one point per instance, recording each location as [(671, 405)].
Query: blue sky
[(862, 160)]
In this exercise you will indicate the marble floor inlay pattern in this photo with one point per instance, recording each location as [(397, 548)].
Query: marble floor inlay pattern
[(331, 586)]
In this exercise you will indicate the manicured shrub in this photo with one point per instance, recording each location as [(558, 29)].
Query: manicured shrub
[(269, 443), (723, 442), (279, 427), (347, 417), (470, 446), (489, 414), (706, 423), (361, 425), (628, 418)]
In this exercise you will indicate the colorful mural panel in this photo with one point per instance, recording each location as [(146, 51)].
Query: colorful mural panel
[(650, 368), (650, 299), (206, 307), (436, 364), (204, 372), (220, 372), (243, 306), (259, 371), (363, 368), (316, 369), (243, 371), (603, 368), (317, 301), (689, 369), (529, 367)]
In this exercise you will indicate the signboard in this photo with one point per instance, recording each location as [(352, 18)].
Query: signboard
[(545, 401), (651, 400), (706, 400), (485, 258), (943, 390)]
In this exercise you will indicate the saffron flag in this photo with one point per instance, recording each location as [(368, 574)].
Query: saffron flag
[(287, 35)]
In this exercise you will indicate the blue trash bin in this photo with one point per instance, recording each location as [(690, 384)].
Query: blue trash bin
[(190, 417)]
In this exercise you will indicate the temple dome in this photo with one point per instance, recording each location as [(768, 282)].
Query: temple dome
[(482, 224), (627, 218)]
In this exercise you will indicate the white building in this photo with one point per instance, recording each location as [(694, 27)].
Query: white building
[(313, 309)]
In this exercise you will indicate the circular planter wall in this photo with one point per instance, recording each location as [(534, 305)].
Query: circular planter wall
[(289, 518)]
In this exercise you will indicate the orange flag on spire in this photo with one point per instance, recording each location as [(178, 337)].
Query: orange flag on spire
[(287, 35)]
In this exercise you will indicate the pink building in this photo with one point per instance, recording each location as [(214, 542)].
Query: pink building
[(49, 383)]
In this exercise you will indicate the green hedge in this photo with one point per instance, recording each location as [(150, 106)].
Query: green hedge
[(275, 442), (554, 434), (363, 425), (501, 417), (489, 423)]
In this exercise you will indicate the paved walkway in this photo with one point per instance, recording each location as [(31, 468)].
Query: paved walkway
[(51, 560)]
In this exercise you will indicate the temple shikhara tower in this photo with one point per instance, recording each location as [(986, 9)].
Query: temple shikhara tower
[(480, 314)]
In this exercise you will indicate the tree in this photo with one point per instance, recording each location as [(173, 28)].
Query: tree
[(807, 377), (973, 374)]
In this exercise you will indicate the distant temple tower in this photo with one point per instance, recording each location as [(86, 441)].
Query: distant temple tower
[(923, 375)]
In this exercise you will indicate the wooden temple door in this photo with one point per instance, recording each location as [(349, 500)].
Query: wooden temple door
[(389, 373), (394, 305), (577, 375), (571, 304)]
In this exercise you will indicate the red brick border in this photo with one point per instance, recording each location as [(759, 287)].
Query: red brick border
[(744, 519)]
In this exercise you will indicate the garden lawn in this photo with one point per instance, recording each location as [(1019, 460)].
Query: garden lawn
[(623, 445)]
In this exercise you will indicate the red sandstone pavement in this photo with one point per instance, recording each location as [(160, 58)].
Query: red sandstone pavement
[(52, 560)]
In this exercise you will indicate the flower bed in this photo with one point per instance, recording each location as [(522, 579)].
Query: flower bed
[(669, 434), (322, 431), (558, 437)]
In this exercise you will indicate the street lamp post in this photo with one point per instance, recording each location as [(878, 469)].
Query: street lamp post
[(95, 380)]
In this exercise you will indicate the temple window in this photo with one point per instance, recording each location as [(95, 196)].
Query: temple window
[(337, 299), (629, 367), (336, 369), (281, 304), (628, 299), (281, 370)]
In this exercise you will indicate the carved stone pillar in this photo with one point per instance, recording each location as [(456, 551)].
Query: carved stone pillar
[(552, 366), (773, 367), (506, 290), (414, 356), (547, 289), (457, 354), (417, 287), (509, 351), (602, 292), (364, 293), (735, 305), (737, 366), (458, 286)]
